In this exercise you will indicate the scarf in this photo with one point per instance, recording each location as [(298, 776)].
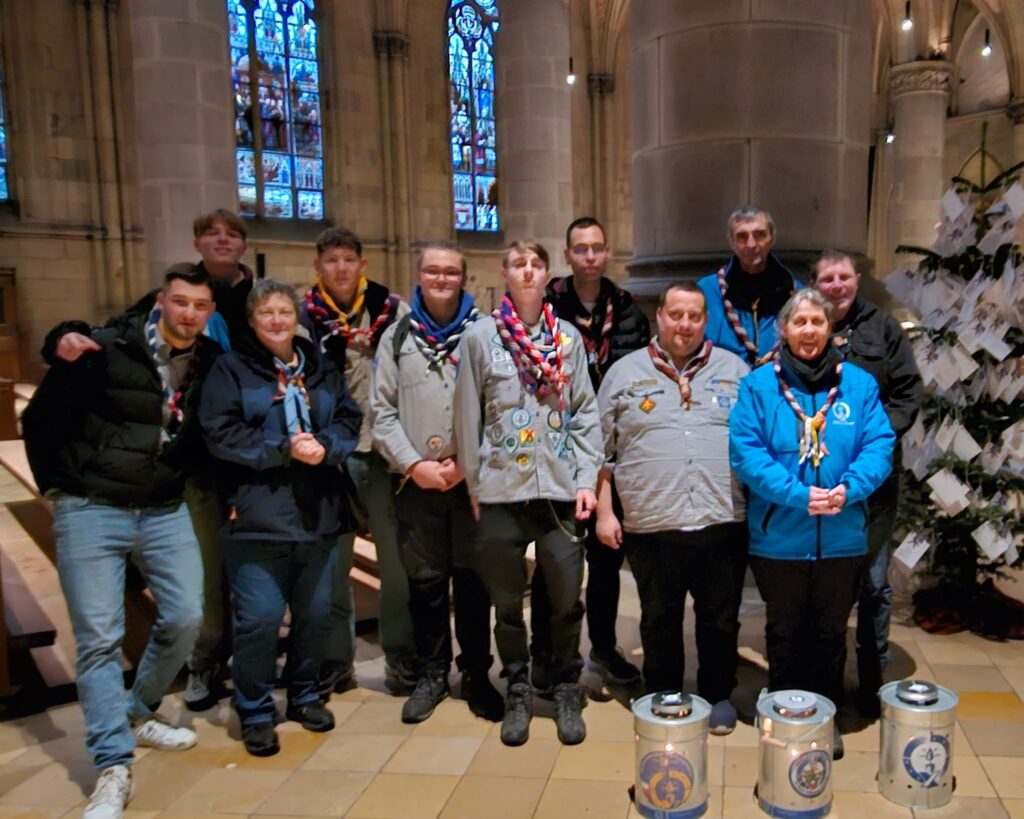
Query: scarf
[(540, 365), (663, 364), (812, 374), (291, 389), (597, 346), (734, 321), (173, 414), (438, 343), (334, 321)]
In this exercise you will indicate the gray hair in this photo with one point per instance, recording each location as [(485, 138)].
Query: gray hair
[(744, 214), (263, 289), (798, 298)]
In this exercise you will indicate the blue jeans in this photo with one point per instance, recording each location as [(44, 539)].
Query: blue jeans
[(93, 542), (265, 577)]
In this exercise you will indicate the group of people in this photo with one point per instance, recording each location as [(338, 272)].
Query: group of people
[(230, 437)]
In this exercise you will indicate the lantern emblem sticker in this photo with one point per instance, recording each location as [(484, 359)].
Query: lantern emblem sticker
[(926, 759), (666, 779), (809, 773)]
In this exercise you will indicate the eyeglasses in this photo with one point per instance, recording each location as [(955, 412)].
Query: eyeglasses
[(581, 250), (442, 272)]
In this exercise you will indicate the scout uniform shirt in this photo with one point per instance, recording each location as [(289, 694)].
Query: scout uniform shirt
[(671, 465), (513, 446), (411, 404)]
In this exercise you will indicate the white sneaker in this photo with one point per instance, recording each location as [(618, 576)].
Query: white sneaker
[(113, 791), (156, 732)]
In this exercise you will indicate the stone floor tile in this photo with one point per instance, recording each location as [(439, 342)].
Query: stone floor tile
[(952, 653), (856, 771), (607, 761), (739, 803), (990, 705), (964, 807), (608, 721), (311, 793), (745, 736), (961, 678), (993, 738), (31, 812), (714, 808), (971, 779), (535, 759), (452, 718), (1014, 676), (741, 766), (434, 755), (1014, 808), (404, 796), (564, 798), (1006, 774), (375, 716), (54, 784), (1008, 654), (860, 805), (353, 752), (494, 798), (229, 790), (866, 739)]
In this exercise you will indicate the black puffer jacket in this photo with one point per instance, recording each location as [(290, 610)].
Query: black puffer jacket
[(264, 493), (93, 427), (630, 328)]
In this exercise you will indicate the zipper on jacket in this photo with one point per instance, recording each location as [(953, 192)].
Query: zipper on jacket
[(817, 478), (757, 329), (768, 517)]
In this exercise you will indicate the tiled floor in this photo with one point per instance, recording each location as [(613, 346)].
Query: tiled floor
[(454, 765)]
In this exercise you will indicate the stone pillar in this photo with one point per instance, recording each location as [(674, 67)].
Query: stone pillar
[(601, 88), (184, 121), (736, 102), (535, 157), (1015, 111), (920, 94)]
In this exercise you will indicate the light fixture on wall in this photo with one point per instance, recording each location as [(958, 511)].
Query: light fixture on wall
[(908, 19), (986, 50), (890, 138), (571, 76)]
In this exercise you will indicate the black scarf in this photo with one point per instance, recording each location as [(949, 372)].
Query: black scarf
[(816, 375), (769, 289)]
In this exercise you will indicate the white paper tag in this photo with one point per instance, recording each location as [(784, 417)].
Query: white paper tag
[(991, 541), (912, 549), (964, 445)]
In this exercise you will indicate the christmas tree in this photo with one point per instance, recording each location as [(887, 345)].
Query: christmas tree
[(961, 515)]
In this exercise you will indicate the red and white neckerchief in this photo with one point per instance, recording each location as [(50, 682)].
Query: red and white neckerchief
[(663, 365), (600, 346), (812, 436), (737, 326), (541, 367)]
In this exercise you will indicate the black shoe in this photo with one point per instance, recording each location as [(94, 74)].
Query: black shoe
[(614, 668), (335, 680), (838, 751), (483, 698), (400, 679), (260, 739), (515, 726), (431, 691), (572, 730), (314, 716)]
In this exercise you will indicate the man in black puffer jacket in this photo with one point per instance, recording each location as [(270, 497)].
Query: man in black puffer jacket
[(612, 326), (110, 439)]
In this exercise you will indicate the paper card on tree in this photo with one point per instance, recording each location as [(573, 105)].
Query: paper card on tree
[(1003, 232), (975, 388), (948, 509), (944, 374), (938, 319), (902, 284), (992, 542), (940, 294), (992, 457), (964, 445), (1014, 199), (953, 205), (916, 432), (948, 487), (1012, 552), (913, 547), (965, 365), (945, 433), (924, 456)]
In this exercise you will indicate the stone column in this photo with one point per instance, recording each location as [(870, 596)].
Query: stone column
[(735, 102), (1015, 111), (535, 157), (601, 88), (184, 121), (920, 93)]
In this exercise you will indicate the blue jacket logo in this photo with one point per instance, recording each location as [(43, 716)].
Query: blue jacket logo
[(841, 412)]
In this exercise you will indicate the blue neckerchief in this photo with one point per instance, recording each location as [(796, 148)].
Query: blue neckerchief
[(419, 312), (296, 404)]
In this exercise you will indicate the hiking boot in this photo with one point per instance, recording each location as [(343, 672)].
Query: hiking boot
[(481, 695), (335, 680), (723, 718), (203, 690), (113, 791), (400, 679), (515, 726), (314, 716), (260, 739), (156, 732), (614, 669), (572, 730), (431, 691)]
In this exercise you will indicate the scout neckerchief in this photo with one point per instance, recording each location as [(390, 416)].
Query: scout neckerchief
[(171, 398), (539, 364), (812, 436), (291, 389), (598, 347), (663, 365), (734, 322), (438, 343), (323, 310)]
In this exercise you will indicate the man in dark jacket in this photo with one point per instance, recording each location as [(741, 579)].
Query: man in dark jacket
[(873, 340), (110, 439), (612, 326)]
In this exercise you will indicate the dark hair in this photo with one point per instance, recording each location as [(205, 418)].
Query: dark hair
[(527, 246), (263, 289), (744, 214), (442, 244), (190, 273), (686, 287), (205, 221), (338, 237), (831, 257), (583, 222)]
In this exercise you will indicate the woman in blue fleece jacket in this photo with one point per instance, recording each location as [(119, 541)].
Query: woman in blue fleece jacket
[(810, 438)]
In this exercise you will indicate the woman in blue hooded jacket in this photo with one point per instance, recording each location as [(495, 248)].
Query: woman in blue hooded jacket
[(810, 438)]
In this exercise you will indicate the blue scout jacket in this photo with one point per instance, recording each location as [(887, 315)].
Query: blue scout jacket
[(763, 330), (764, 450)]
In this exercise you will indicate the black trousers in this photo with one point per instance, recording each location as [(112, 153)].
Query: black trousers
[(505, 530), (808, 603), (602, 595), (435, 543), (709, 564)]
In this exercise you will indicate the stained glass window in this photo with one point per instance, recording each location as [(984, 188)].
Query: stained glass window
[(279, 153), (5, 191), (472, 25)]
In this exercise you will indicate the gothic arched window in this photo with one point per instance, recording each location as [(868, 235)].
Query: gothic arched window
[(279, 153), (5, 191), (472, 25)]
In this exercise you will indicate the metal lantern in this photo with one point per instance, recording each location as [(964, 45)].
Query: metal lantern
[(795, 771), (671, 755), (915, 761)]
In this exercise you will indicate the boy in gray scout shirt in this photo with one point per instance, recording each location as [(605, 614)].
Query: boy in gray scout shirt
[(411, 395), (526, 425), (665, 417)]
